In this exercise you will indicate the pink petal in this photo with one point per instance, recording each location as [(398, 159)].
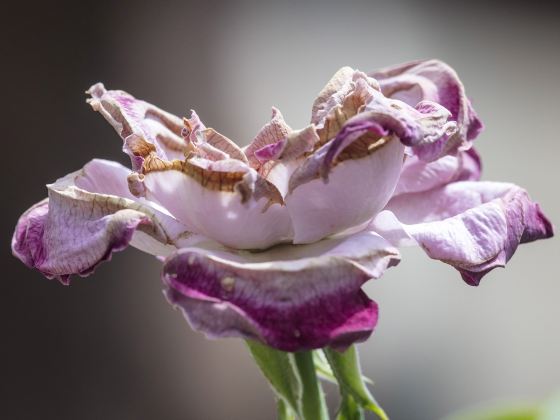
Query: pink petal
[(289, 297), (474, 226), (89, 215)]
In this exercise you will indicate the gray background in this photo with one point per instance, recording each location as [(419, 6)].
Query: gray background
[(110, 347)]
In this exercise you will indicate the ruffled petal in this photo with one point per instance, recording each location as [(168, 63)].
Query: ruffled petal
[(272, 132), (343, 96), (208, 143), (356, 133), (333, 94), (352, 95), (225, 200), (289, 297), (89, 215), (291, 147), (435, 81), (277, 150), (473, 226), (131, 116)]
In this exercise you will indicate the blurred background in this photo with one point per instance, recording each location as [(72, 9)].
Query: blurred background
[(110, 346)]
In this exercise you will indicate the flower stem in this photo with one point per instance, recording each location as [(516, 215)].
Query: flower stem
[(313, 404), (284, 411)]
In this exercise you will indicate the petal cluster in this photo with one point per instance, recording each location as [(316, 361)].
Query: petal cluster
[(274, 240)]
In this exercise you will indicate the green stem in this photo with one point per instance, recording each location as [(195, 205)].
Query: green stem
[(346, 369), (313, 406), (284, 411)]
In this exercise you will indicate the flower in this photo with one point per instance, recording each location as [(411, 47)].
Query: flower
[(274, 241)]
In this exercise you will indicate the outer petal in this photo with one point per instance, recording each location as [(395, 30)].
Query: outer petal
[(474, 226), (289, 297), (435, 81), (129, 115), (417, 175), (90, 214)]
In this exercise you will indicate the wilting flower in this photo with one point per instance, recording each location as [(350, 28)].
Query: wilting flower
[(275, 240)]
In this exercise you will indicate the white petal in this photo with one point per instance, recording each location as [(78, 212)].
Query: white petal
[(224, 200), (357, 189)]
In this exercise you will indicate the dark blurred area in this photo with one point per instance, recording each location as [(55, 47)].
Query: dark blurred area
[(110, 347)]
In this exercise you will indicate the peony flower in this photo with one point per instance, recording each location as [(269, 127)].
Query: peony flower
[(275, 240)]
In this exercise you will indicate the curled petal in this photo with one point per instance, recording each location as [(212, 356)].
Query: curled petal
[(192, 126), (345, 183), (214, 145), (289, 297), (474, 226), (346, 86), (369, 150), (434, 81), (423, 126), (273, 132), (221, 142), (131, 116), (277, 150), (418, 175), (370, 135), (225, 200), (89, 215), (437, 130), (293, 146)]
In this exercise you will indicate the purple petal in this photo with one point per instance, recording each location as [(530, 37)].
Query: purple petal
[(434, 81), (474, 226), (271, 151), (289, 297), (423, 128), (349, 134), (89, 215)]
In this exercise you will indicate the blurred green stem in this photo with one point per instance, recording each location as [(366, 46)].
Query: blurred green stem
[(313, 406), (284, 412)]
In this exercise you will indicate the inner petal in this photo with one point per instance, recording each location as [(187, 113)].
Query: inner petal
[(224, 200), (359, 185)]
